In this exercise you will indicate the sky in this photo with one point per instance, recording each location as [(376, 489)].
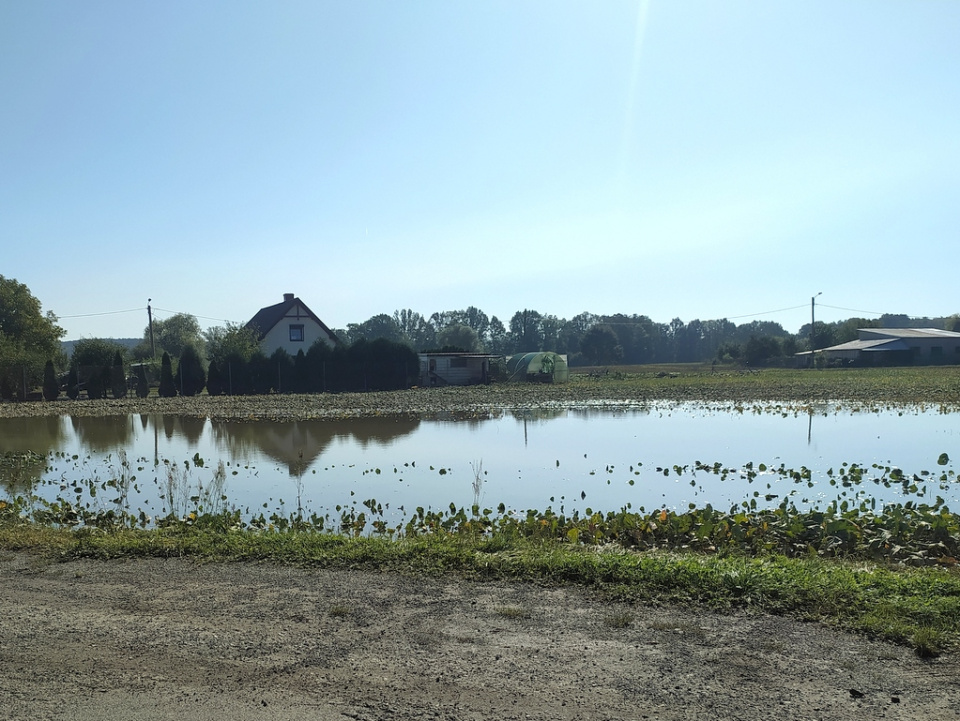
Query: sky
[(671, 158)]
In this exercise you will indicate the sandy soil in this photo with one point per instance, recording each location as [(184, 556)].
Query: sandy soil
[(175, 639)]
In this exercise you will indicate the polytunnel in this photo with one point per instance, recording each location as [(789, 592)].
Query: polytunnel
[(541, 366)]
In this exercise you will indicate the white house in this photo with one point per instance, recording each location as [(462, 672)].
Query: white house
[(898, 346), (455, 368), (290, 325)]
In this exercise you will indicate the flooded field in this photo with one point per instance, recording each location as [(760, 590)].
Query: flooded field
[(666, 455)]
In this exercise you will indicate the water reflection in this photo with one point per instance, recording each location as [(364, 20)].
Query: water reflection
[(105, 434), (40, 435), (649, 456), (20, 474), (297, 445)]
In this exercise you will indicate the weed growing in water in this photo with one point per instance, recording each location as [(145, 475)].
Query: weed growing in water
[(478, 474), (299, 483), (183, 498)]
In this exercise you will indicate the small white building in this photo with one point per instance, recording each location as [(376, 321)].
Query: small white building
[(455, 368), (290, 325), (898, 346)]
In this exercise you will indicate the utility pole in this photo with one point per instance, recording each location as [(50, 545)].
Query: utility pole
[(813, 302), (153, 348)]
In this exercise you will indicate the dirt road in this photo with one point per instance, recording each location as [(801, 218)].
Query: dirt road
[(174, 639)]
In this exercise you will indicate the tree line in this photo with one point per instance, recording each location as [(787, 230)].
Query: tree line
[(378, 353), (590, 340)]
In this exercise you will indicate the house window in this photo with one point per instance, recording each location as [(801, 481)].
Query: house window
[(458, 362), (296, 333)]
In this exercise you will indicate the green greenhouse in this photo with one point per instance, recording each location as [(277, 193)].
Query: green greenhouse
[(541, 367)]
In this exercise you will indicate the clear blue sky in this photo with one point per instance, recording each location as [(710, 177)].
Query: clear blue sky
[(668, 158)]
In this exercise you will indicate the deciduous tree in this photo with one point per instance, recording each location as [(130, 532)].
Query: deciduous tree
[(28, 337)]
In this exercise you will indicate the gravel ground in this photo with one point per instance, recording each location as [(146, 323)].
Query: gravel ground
[(174, 639)]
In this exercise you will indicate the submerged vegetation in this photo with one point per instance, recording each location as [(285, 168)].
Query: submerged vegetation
[(891, 573)]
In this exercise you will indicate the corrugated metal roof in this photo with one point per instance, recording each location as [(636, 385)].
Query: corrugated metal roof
[(910, 332), (884, 344)]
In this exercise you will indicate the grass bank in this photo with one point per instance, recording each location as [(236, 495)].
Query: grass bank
[(915, 606)]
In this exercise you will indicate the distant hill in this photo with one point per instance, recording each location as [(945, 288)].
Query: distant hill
[(128, 343)]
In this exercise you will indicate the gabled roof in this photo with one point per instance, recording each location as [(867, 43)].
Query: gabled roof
[(266, 318)]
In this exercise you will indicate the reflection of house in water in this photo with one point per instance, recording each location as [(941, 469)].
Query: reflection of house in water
[(103, 433), (297, 444)]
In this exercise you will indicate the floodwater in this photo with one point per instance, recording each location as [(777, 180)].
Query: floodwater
[(650, 457)]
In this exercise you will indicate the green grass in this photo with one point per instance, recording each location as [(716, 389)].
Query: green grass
[(697, 382), (919, 607)]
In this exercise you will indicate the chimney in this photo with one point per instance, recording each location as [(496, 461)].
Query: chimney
[(287, 297)]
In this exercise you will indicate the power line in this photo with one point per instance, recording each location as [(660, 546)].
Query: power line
[(180, 312), (141, 310), (109, 312), (852, 310), (766, 312)]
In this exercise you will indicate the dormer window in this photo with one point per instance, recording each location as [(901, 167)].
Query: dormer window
[(296, 333)]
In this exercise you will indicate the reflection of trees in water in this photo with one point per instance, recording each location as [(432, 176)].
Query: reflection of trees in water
[(189, 428), (40, 435), (284, 442), (539, 414), (105, 433), (601, 411)]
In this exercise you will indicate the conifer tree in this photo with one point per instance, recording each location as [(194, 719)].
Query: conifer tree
[(73, 383), (96, 388), (51, 389), (214, 379), (168, 388), (118, 380), (190, 372), (143, 388)]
